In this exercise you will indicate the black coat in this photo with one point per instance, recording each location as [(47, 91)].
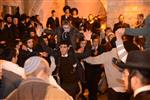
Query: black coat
[(24, 55), (143, 96), (120, 25), (53, 23), (76, 22), (63, 18), (3, 35)]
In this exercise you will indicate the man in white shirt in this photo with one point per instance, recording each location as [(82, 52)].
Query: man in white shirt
[(136, 67), (116, 89)]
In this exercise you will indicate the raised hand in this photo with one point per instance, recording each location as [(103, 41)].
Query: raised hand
[(119, 33)]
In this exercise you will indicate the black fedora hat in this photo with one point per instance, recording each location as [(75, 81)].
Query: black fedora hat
[(135, 60)]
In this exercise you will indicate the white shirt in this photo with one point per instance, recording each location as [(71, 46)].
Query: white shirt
[(7, 65), (119, 89), (142, 89), (66, 55)]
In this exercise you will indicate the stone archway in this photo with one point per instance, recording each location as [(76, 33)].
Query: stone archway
[(86, 7)]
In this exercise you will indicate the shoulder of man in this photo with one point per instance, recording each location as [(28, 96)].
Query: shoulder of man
[(57, 94)]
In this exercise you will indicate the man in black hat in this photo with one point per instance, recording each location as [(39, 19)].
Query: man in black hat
[(27, 50), (136, 71)]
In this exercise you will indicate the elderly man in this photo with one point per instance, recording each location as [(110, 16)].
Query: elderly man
[(136, 67), (36, 86), (116, 90)]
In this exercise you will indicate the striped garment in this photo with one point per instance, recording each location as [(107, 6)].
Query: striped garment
[(122, 53)]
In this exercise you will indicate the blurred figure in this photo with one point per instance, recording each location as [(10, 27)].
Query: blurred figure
[(140, 21), (17, 13), (1, 74), (135, 66), (7, 28), (68, 75), (1, 16), (53, 21), (4, 37), (140, 40), (67, 33), (116, 90), (37, 25), (120, 24), (36, 86), (93, 71), (27, 50), (12, 73), (144, 31), (75, 20), (16, 28), (90, 22), (67, 15)]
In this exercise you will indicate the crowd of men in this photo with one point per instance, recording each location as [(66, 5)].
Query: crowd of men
[(62, 60)]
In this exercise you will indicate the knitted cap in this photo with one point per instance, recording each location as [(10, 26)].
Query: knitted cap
[(32, 64)]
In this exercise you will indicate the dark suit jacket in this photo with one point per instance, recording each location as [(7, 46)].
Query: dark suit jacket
[(120, 25), (53, 23), (63, 17), (143, 96)]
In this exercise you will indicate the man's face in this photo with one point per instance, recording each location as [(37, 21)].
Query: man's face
[(140, 19), (45, 40), (83, 44), (2, 25), (9, 19), (75, 12), (66, 28), (32, 34), (125, 78), (63, 49), (30, 43), (110, 37), (38, 18), (15, 21), (121, 18), (67, 11), (96, 42), (15, 59), (90, 17), (54, 14), (108, 31)]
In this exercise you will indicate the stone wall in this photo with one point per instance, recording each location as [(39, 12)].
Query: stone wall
[(129, 8), (86, 7)]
